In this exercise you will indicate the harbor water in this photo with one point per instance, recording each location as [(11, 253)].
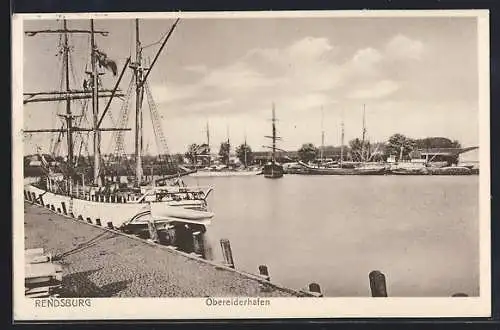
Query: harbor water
[(420, 231)]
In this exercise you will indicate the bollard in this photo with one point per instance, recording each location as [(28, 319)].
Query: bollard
[(226, 252), (40, 197), (110, 225), (198, 244), (153, 232), (88, 220), (460, 294), (315, 289), (63, 206), (263, 271), (378, 284), (98, 221)]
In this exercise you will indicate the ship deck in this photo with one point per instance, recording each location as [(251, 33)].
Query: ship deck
[(98, 262)]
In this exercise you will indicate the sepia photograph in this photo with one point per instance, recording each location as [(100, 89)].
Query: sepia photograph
[(238, 158)]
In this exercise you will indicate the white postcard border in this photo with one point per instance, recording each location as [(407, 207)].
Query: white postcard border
[(198, 308)]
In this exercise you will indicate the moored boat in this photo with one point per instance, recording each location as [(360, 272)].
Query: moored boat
[(108, 201)]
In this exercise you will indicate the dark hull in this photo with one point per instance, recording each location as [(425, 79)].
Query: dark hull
[(272, 171), (344, 171)]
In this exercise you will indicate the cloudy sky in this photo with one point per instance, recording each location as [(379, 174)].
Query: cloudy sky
[(416, 76)]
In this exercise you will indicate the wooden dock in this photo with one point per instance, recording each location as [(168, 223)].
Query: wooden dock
[(100, 262)]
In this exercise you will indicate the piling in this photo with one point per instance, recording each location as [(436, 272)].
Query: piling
[(110, 225), (72, 215), (40, 197), (198, 244), (98, 221), (378, 284), (153, 232), (315, 289), (33, 197), (63, 206), (25, 195), (226, 252), (58, 210), (460, 294), (88, 220), (263, 271), (52, 208), (80, 217)]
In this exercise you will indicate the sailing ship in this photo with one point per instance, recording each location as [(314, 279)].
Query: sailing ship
[(139, 203), (273, 169), (345, 168)]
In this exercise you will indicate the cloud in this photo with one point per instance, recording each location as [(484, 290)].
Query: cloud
[(200, 106), (402, 47), (381, 89), (196, 68), (304, 75)]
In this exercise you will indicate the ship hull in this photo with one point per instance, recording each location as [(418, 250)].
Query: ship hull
[(119, 214)]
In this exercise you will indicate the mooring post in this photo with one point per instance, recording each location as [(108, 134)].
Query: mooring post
[(153, 232), (226, 252), (63, 206), (315, 289), (198, 246), (98, 221), (459, 294), (263, 271), (378, 284)]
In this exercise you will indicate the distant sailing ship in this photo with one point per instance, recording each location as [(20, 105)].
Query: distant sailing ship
[(273, 169), (362, 167), (111, 201)]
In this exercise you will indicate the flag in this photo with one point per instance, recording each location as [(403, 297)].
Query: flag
[(105, 62)]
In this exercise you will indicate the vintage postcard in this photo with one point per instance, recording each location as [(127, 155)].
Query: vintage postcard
[(251, 165)]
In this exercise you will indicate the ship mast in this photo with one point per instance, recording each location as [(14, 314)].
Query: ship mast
[(140, 80), (95, 107), (208, 145), (68, 95), (322, 137), (363, 136), (69, 118), (273, 158), (245, 150), (138, 105), (342, 140)]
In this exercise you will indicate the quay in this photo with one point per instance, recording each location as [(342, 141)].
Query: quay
[(102, 262)]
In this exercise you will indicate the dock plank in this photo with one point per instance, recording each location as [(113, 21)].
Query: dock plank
[(101, 263)]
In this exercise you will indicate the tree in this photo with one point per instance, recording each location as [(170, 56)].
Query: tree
[(224, 152), (192, 153), (307, 152), (398, 142), (436, 142), (244, 154)]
